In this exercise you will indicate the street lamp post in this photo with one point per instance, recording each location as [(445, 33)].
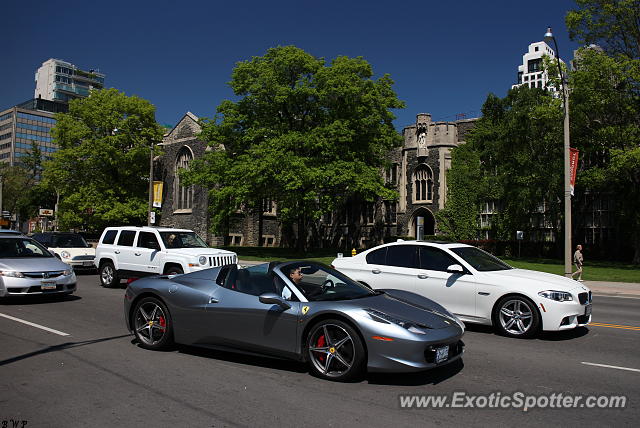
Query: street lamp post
[(150, 208), (567, 183)]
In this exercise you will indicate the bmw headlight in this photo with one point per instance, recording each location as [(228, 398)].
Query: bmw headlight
[(202, 260), (558, 296), (385, 318), (11, 273), (65, 254)]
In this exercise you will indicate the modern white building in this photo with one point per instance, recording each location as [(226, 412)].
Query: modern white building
[(530, 72), (58, 80)]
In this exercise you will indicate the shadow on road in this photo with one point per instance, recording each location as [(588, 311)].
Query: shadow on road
[(60, 347), (38, 299), (433, 376), (549, 336)]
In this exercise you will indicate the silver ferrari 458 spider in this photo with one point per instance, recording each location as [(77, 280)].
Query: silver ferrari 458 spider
[(299, 310)]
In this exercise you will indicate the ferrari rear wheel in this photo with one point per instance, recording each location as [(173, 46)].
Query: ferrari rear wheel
[(152, 324), (335, 351)]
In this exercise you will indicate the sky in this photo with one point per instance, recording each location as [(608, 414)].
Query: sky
[(445, 57)]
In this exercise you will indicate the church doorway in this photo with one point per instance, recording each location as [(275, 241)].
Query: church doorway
[(429, 223)]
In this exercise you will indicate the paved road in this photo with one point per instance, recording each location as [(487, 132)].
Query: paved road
[(97, 376)]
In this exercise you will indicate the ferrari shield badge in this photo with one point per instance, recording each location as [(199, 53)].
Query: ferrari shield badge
[(305, 309)]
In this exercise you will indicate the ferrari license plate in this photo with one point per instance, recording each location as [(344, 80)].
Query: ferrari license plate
[(587, 310), (442, 354), (48, 285)]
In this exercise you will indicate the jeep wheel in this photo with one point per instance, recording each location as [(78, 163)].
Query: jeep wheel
[(175, 270), (108, 276)]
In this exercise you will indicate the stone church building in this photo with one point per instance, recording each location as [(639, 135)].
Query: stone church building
[(418, 172)]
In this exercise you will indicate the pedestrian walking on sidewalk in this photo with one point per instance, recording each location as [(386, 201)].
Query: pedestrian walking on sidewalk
[(578, 260)]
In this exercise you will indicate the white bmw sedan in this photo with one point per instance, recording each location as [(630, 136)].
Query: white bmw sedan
[(474, 285)]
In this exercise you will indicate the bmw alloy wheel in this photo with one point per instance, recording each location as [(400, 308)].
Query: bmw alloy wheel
[(516, 317)]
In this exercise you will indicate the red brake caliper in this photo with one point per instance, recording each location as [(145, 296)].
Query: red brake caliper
[(163, 323), (319, 344)]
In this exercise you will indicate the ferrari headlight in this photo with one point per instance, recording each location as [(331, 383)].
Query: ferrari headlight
[(558, 296), (65, 254), (388, 319), (11, 273), (202, 260)]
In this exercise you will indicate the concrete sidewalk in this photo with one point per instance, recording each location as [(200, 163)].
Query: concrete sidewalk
[(621, 289)]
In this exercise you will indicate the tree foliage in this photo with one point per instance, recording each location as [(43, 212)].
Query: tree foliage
[(101, 168), (303, 134), (513, 158), (611, 24)]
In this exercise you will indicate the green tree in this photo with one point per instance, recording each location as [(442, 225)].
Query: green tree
[(611, 24), (304, 134), (513, 158), (605, 112), (101, 168)]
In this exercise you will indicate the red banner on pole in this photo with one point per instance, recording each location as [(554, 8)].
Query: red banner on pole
[(573, 167)]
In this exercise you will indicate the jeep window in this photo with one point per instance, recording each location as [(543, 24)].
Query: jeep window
[(110, 237), (148, 240), (181, 239), (126, 238)]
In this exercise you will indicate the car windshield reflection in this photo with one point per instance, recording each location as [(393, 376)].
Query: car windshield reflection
[(176, 239), (68, 241), (22, 248), (480, 260)]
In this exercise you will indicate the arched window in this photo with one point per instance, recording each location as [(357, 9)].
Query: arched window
[(423, 184), (183, 196)]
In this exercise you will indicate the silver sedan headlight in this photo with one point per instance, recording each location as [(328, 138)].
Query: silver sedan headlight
[(67, 272), (202, 260), (11, 273), (558, 296), (382, 317)]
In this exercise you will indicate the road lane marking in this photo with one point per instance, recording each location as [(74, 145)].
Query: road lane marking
[(616, 296), (625, 327), (611, 367), (50, 330)]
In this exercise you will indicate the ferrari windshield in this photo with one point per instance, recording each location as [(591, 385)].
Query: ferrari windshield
[(182, 239), (480, 260), (318, 282), (22, 248)]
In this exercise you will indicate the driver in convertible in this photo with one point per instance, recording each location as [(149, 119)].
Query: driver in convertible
[(310, 290)]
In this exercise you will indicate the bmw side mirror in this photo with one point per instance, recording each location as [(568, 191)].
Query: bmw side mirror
[(274, 299), (456, 269)]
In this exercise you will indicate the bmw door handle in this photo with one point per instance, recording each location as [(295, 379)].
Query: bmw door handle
[(137, 254), (376, 271), (117, 252), (213, 300), (423, 276)]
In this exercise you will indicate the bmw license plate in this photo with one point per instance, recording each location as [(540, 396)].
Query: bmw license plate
[(48, 285), (442, 354), (587, 310)]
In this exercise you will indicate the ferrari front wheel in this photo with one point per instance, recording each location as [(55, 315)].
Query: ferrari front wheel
[(152, 324), (335, 351)]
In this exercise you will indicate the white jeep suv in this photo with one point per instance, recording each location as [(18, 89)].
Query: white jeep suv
[(130, 252)]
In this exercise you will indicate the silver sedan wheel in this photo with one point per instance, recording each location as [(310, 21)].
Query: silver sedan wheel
[(331, 350), (516, 317), (150, 323)]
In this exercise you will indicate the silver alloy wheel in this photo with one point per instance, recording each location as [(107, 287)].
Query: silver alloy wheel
[(107, 274), (331, 350), (516, 316), (150, 323)]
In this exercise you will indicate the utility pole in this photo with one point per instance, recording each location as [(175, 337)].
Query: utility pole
[(150, 208)]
